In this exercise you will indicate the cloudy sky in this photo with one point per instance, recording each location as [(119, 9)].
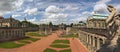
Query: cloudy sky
[(55, 11)]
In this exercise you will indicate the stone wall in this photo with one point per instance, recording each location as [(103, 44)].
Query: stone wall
[(11, 34), (92, 41)]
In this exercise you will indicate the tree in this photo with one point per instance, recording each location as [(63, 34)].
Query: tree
[(50, 24), (30, 24), (71, 24), (81, 22)]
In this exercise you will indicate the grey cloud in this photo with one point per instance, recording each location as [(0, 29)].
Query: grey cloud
[(6, 5)]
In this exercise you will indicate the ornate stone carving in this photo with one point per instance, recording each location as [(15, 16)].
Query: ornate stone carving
[(113, 28)]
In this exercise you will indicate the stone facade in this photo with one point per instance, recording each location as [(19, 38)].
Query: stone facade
[(68, 29), (10, 30), (96, 21), (45, 29), (94, 34), (91, 40), (11, 34), (27, 28), (8, 22)]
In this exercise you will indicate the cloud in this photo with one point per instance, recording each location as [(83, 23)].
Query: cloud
[(30, 0), (86, 13), (118, 7), (33, 20), (101, 7), (103, 1), (6, 6), (72, 8), (18, 3), (52, 9), (76, 20), (16, 15), (80, 17), (57, 16), (54, 14), (31, 11), (57, 11)]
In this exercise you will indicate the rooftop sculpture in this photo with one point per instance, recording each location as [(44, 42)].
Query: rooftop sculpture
[(113, 28)]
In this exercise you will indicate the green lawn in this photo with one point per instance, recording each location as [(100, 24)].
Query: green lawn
[(34, 34), (26, 40), (10, 44), (67, 50), (59, 46), (62, 41), (49, 50)]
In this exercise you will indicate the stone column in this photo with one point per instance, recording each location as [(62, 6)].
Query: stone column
[(89, 39), (98, 43), (79, 34), (93, 45), (83, 38)]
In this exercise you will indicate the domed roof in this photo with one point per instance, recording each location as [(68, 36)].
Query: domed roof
[(1, 17)]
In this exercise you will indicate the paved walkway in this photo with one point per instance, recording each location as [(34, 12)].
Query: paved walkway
[(37, 46), (77, 46)]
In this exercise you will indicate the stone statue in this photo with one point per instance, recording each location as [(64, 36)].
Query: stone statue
[(113, 27)]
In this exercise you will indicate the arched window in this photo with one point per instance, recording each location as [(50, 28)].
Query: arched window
[(101, 42)]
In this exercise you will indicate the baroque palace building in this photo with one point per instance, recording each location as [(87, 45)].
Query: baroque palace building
[(96, 21), (8, 22), (93, 35), (10, 30)]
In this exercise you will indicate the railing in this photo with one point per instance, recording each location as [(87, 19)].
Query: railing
[(101, 32)]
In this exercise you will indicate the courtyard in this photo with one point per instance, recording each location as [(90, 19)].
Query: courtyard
[(44, 43)]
